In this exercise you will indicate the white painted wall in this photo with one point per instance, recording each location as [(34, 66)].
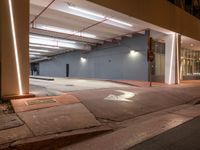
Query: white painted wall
[(114, 62)]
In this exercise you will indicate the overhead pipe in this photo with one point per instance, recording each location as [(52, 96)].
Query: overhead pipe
[(88, 27), (36, 17)]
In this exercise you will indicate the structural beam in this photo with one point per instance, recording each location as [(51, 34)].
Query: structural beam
[(157, 12)]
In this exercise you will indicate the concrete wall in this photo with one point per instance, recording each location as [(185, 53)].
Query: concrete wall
[(158, 12), (111, 61)]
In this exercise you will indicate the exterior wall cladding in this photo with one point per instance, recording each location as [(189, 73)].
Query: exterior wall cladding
[(110, 61)]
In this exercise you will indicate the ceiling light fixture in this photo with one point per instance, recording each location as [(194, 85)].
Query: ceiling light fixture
[(34, 53), (86, 12), (44, 46), (50, 41), (99, 17), (38, 50), (120, 22), (66, 31), (32, 56)]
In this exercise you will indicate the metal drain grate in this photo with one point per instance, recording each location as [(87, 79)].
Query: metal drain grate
[(69, 85), (40, 101)]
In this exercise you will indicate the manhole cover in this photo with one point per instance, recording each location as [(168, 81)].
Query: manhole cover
[(40, 101)]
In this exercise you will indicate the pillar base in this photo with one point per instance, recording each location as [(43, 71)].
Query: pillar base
[(10, 97)]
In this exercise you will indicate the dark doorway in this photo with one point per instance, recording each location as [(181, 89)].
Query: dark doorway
[(67, 70), (35, 69)]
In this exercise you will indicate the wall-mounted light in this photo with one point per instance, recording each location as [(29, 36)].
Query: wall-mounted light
[(83, 60), (133, 53)]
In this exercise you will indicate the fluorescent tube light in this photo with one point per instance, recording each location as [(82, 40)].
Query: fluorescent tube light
[(32, 56), (99, 16), (38, 50), (120, 22), (85, 35), (58, 42), (43, 46), (34, 53), (86, 12), (66, 31)]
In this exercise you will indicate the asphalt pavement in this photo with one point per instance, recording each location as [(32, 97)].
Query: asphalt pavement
[(183, 137)]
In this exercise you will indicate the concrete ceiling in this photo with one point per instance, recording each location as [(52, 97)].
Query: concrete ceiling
[(79, 25)]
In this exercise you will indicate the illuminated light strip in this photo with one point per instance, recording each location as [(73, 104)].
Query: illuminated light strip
[(34, 53), (80, 10), (120, 22), (44, 46), (38, 50), (66, 31), (15, 47), (86, 12), (32, 56), (177, 58), (171, 59)]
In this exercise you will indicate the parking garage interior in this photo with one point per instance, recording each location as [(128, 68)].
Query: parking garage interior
[(99, 43), (96, 74)]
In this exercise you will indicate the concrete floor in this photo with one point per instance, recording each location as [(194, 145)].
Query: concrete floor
[(80, 104), (62, 85)]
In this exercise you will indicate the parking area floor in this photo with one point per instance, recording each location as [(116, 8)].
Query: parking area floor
[(64, 106)]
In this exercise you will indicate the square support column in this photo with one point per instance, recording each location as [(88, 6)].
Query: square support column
[(172, 59), (14, 47)]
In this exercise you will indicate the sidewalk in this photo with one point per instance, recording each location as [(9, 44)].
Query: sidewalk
[(138, 83), (58, 121), (140, 129), (44, 119)]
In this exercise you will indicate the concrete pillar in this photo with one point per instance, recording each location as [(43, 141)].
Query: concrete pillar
[(14, 47), (172, 59)]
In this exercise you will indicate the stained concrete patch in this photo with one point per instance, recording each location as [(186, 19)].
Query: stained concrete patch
[(58, 119), (13, 134), (28, 104), (9, 121)]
